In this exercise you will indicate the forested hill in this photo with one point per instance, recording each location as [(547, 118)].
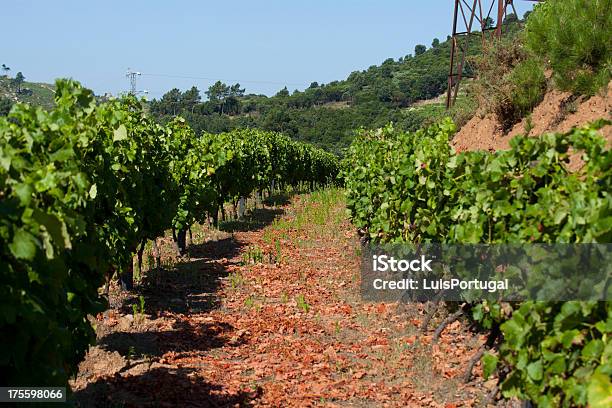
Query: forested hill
[(328, 114), (324, 114)]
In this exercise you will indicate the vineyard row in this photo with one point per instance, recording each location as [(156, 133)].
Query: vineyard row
[(413, 187), (82, 185)]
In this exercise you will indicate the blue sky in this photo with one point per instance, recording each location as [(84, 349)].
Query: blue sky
[(263, 44)]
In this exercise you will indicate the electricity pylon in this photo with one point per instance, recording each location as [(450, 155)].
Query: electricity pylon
[(131, 75), (469, 16)]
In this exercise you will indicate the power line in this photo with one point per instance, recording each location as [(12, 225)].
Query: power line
[(226, 79)]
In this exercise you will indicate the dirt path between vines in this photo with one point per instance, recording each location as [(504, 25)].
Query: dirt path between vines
[(268, 313)]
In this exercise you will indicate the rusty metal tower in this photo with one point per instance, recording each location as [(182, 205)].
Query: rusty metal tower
[(472, 17)]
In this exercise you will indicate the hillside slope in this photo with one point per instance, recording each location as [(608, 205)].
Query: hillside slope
[(35, 93), (558, 112), (323, 114), (370, 98)]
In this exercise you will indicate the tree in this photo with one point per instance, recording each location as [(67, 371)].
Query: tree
[(313, 85), (168, 104), (578, 53), (232, 103), (488, 23), (527, 13), (5, 70), (283, 93), (18, 81), (236, 91), (435, 43), (217, 93), (510, 18), (419, 49), (189, 99), (384, 91), (386, 70)]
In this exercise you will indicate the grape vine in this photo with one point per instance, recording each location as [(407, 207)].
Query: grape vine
[(82, 185), (413, 187)]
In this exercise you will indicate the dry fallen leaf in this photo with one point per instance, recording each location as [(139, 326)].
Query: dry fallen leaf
[(254, 345)]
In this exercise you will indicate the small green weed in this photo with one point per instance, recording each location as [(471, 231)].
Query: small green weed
[(130, 354), (528, 124), (235, 279), (249, 302), (139, 309), (277, 248), (253, 255), (302, 304)]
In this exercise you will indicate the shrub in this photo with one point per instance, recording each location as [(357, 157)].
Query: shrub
[(511, 82), (529, 85), (5, 106), (525, 88), (574, 37)]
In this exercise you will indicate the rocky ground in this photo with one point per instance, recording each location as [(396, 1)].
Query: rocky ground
[(267, 312)]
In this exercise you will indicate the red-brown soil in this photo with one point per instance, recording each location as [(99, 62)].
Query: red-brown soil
[(558, 112), (269, 314)]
